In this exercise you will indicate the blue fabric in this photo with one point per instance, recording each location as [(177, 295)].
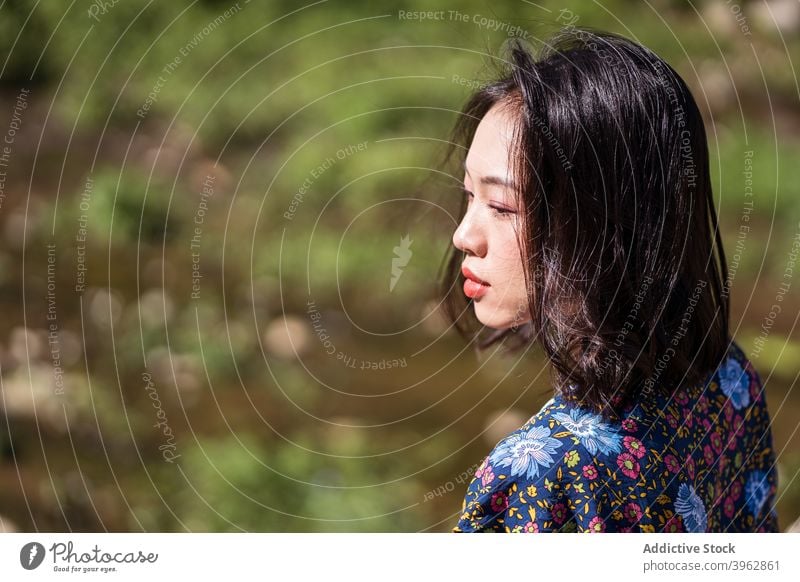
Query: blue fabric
[(699, 460)]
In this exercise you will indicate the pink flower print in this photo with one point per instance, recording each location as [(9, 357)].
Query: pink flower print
[(672, 463), (738, 424), (479, 472), (708, 455), (706, 424), (702, 404), (728, 410), (736, 490), (627, 462), (716, 442), (596, 525), (674, 525), (559, 513), (728, 507), (755, 389), (633, 512), (673, 422), (634, 446), (681, 397), (629, 425), (499, 501), (590, 472), (687, 417), (488, 476), (690, 467), (531, 527)]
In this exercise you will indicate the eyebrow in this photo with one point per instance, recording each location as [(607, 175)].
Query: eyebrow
[(493, 180)]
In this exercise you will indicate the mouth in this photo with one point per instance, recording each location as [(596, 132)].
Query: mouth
[(472, 276), (474, 286)]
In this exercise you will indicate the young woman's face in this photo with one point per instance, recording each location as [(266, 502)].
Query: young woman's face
[(487, 232)]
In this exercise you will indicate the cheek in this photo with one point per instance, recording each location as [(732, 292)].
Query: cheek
[(507, 251)]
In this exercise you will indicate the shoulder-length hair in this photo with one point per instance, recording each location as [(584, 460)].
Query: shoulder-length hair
[(624, 265)]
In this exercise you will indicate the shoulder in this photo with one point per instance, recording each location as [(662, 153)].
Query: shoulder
[(738, 379), (534, 477), (557, 437)]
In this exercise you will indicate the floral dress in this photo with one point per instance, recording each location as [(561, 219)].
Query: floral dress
[(700, 460)]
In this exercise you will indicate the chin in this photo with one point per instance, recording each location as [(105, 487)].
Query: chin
[(512, 313), (492, 319)]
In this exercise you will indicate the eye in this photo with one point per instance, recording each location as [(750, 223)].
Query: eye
[(496, 210), (502, 211)]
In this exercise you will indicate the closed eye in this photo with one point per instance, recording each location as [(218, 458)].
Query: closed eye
[(497, 210)]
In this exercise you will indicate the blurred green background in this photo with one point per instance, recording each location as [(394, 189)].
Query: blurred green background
[(215, 339)]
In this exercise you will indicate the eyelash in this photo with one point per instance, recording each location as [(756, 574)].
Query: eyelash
[(497, 211)]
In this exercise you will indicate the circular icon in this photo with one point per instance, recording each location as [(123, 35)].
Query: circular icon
[(31, 555)]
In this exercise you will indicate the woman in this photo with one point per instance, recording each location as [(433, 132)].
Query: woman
[(588, 227)]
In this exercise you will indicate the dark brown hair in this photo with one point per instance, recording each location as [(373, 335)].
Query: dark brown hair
[(624, 266)]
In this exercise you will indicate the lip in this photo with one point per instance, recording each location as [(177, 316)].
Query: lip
[(474, 287), (472, 276)]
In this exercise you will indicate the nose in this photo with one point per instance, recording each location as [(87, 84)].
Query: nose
[(469, 237)]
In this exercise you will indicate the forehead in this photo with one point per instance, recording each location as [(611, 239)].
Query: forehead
[(489, 152)]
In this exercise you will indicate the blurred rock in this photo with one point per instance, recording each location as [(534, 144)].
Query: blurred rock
[(719, 18), (70, 346), (716, 86), (188, 371), (14, 229), (220, 177), (165, 161), (287, 337), (26, 344), (34, 396), (22, 225), (168, 369), (104, 308), (783, 15), (156, 307)]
